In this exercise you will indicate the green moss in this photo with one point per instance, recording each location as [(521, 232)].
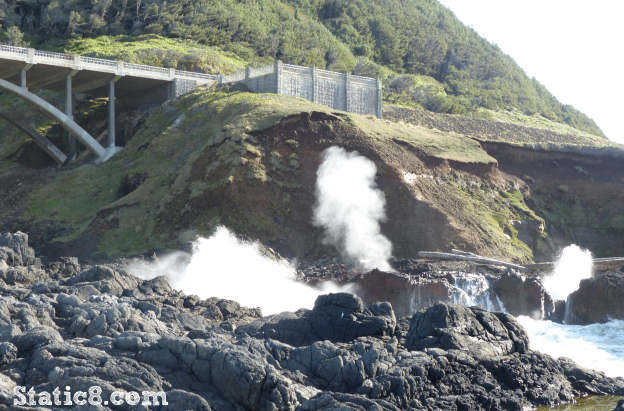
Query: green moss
[(493, 211), (538, 121), (516, 199), (168, 149), (434, 143), (159, 51)]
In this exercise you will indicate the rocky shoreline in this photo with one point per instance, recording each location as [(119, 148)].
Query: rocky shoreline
[(67, 324)]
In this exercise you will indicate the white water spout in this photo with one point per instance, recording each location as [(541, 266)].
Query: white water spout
[(224, 266), (350, 208), (574, 264)]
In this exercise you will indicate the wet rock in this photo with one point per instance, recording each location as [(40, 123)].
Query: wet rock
[(481, 333), (335, 317), (15, 247), (620, 406), (558, 315), (81, 326), (597, 300), (403, 291), (522, 296)]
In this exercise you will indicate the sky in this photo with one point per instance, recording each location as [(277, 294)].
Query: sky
[(573, 47)]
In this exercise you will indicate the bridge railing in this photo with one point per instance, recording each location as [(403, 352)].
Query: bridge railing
[(78, 62), (338, 90), (13, 49)]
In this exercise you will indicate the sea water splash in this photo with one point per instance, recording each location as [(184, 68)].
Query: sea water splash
[(474, 289), (574, 264), (350, 208), (226, 267), (595, 346)]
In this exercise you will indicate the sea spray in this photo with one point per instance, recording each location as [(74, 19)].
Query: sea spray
[(350, 208), (595, 346), (574, 264), (226, 267)]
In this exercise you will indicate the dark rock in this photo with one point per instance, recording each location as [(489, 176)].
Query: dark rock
[(184, 401), (84, 326), (335, 317), (339, 401), (402, 291), (8, 353), (36, 337), (539, 377), (18, 244), (522, 296), (620, 406), (558, 314), (597, 300), (481, 333)]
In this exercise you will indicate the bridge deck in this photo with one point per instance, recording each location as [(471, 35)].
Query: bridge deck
[(48, 70)]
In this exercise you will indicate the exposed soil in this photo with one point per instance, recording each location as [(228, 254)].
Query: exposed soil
[(260, 182)]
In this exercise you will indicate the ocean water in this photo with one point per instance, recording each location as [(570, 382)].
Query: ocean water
[(225, 266), (596, 346)]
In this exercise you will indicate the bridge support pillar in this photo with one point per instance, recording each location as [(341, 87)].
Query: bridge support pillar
[(379, 99), (23, 76), (69, 110), (314, 84), (111, 112)]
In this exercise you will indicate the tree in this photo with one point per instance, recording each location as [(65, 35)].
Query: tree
[(15, 37)]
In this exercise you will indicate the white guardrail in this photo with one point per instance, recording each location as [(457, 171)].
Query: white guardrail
[(119, 68)]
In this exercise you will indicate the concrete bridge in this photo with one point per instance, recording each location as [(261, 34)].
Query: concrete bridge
[(26, 69)]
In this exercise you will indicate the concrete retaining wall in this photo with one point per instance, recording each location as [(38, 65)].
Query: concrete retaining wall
[(342, 91)]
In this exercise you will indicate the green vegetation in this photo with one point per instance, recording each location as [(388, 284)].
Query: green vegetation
[(159, 51), (425, 55), (538, 121), (434, 143), (495, 210), (188, 151)]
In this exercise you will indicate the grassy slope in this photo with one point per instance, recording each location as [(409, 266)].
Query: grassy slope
[(204, 165), (175, 136), (159, 51), (190, 55)]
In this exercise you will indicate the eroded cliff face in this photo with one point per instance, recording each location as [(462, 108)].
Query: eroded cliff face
[(579, 196), (249, 162)]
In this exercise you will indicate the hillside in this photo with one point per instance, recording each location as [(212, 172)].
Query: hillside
[(232, 250), (425, 55), (249, 162), (483, 181)]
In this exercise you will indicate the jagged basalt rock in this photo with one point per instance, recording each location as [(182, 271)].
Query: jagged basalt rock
[(15, 250), (481, 333), (81, 326), (524, 296), (597, 299), (335, 317)]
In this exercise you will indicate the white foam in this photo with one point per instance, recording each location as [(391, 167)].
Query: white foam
[(350, 208), (224, 266), (595, 346), (574, 264)]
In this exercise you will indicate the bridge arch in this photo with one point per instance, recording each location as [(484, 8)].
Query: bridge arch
[(66, 122)]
